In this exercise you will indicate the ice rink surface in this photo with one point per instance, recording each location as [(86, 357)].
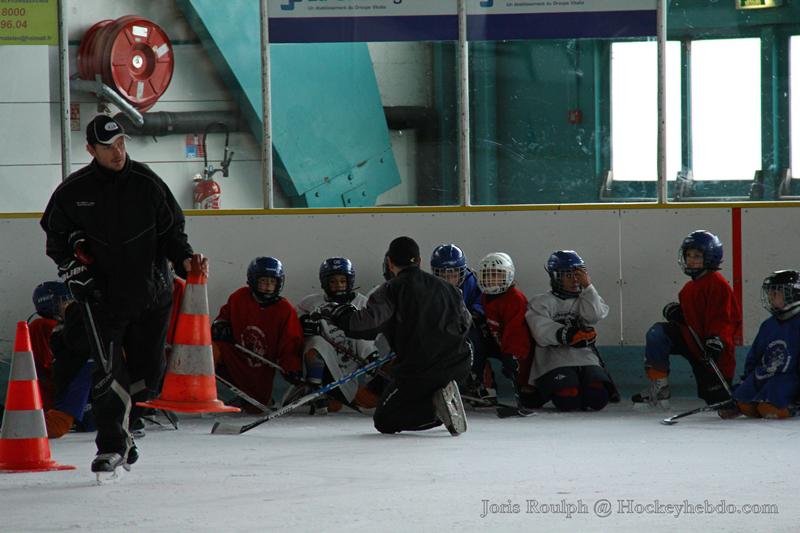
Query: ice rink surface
[(618, 470)]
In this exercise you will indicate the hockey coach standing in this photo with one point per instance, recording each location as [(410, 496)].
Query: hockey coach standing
[(111, 228), (425, 321)]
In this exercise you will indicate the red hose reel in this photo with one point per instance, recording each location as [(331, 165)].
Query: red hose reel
[(132, 55)]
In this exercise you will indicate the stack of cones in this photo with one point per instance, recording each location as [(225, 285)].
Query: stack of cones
[(190, 385), (23, 437)]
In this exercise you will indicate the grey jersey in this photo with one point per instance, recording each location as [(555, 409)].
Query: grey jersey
[(547, 314)]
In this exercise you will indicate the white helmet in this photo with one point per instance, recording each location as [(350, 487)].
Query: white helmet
[(495, 273)]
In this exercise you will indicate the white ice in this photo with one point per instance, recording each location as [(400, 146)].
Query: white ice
[(336, 473)]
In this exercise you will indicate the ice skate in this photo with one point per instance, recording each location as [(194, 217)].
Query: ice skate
[(656, 395), (319, 407), (449, 408), (133, 456), (108, 467)]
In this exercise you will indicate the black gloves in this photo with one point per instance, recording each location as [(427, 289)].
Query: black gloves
[(79, 245), (576, 337), (673, 313), (311, 326), (339, 315), (221, 330), (714, 348), (78, 279)]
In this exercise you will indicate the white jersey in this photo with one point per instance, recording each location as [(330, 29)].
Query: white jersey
[(342, 355), (547, 314)]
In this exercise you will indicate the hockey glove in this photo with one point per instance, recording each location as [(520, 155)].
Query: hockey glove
[(79, 245), (576, 337), (78, 279), (221, 330), (713, 348), (310, 326), (340, 315), (673, 313), (294, 377)]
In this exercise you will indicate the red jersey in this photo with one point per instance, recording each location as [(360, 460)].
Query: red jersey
[(273, 331), (710, 308), (505, 316), (41, 329)]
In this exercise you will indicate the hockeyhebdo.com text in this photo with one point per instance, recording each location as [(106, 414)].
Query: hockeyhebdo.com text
[(604, 508)]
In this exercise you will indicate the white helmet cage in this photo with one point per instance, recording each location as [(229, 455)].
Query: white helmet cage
[(495, 273)]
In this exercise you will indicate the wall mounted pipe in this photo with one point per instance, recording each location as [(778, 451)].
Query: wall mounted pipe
[(105, 92), (162, 123)]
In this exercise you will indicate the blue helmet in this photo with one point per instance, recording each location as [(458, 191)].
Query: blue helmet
[(265, 267), (558, 264), (448, 258), (337, 265), (48, 296), (707, 243)]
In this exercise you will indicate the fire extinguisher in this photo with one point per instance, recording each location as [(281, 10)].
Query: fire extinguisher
[(207, 192)]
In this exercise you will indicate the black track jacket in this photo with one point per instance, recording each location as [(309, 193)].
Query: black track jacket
[(133, 224), (425, 322)]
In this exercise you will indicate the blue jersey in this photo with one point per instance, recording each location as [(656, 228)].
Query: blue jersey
[(771, 366), (472, 293)]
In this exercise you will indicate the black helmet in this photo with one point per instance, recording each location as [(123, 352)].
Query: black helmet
[(787, 284)]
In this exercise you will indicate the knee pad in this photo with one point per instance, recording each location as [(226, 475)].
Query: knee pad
[(595, 396), (566, 399)]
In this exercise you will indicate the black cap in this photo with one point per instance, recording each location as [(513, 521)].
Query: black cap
[(103, 130), (404, 251)]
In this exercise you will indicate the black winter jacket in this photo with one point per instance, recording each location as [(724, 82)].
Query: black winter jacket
[(424, 320), (133, 225)]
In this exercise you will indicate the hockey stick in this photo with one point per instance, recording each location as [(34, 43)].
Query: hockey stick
[(101, 352), (229, 429), (350, 353), (244, 396), (713, 407), (261, 358), (710, 361)]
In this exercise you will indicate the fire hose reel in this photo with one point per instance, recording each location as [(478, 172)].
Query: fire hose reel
[(132, 55)]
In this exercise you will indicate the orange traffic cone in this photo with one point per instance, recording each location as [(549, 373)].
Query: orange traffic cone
[(23, 437), (190, 385)]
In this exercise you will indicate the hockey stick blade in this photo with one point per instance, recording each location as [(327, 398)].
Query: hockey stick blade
[(226, 429), (672, 420)]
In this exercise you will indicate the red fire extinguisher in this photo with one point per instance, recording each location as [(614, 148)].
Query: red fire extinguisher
[(207, 192)]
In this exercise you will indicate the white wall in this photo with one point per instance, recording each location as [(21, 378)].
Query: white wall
[(632, 254), (30, 145)]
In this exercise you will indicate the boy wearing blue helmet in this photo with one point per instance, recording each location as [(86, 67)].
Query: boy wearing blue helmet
[(260, 319), (566, 367), (704, 324), (328, 353), (449, 263)]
